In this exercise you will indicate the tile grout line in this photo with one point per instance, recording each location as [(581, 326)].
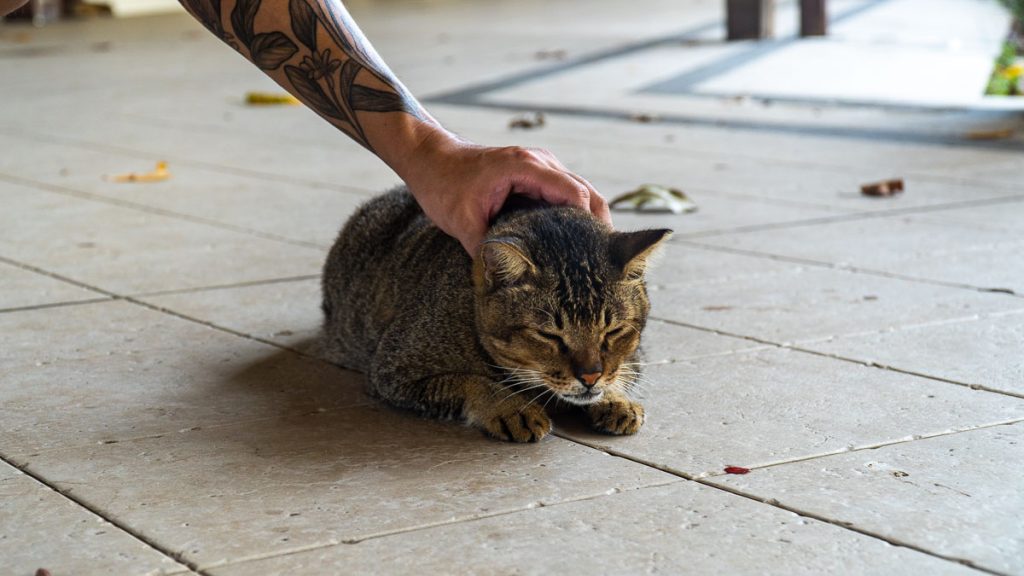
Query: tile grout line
[(803, 513), (214, 167), (179, 558), (229, 286), (841, 267), (443, 523), (55, 305), (71, 192), (869, 364), (856, 216)]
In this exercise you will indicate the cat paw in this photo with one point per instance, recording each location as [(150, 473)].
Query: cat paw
[(617, 417), (522, 424)]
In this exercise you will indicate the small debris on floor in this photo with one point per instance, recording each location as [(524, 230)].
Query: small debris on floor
[(716, 308), (43, 572), (644, 118), (654, 198), (527, 121), (559, 54), (737, 470), (270, 99), (995, 134), (900, 474), (104, 46), (883, 188), (158, 174)]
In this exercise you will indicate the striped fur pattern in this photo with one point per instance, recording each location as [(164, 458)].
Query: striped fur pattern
[(550, 313)]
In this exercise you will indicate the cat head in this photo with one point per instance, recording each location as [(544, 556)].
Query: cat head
[(561, 301)]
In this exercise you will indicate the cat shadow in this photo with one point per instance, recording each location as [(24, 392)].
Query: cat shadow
[(307, 411)]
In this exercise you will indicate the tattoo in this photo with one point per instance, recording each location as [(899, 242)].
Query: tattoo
[(208, 14), (327, 82)]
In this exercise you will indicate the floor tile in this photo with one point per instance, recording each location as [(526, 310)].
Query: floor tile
[(951, 252), (979, 351), (293, 483), (806, 303), (128, 251), (679, 529), (287, 313), (288, 210), (42, 529), (20, 288), (956, 495), (103, 373), (758, 408)]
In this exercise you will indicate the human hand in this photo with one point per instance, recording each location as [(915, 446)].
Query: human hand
[(461, 186)]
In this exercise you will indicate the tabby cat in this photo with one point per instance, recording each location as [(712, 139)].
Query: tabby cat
[(552, 309)]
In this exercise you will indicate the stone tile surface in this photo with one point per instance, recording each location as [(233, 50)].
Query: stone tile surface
[(125, 250), (684, 528), (286, 313), (976, 351), (764, 407), (289, 210), (292, 483), (808, 303), (40, 528), (20, 288), (949, 251), (102, 373), (956, 495)]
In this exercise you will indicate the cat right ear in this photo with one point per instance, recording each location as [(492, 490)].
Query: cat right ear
[(631, 251), (505, 263)]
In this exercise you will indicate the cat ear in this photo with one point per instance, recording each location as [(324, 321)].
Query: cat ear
[(631, 251), (505, 261)]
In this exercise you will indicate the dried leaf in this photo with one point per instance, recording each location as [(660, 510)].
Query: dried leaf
[(654, 198), (883, 188), (995, 134), (157, 175), (527, 122)]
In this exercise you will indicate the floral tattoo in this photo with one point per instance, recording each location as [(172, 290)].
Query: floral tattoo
[(328, 83)]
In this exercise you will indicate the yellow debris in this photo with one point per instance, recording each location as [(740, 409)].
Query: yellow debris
[(160, 173), (270, 99)]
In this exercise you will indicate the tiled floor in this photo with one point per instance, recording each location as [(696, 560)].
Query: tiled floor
[(163, 408)]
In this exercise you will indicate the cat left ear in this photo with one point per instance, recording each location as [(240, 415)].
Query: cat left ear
[(505, 261), (631, 251)]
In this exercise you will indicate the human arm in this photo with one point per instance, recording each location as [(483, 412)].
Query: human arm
[(315, 50)]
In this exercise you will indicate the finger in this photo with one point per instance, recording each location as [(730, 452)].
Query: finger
[(597, 205)]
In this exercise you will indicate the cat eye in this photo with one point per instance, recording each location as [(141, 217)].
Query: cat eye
[(555, 338), (610, 335)]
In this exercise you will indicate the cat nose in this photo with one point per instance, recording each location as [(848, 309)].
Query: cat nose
[(588, 376)]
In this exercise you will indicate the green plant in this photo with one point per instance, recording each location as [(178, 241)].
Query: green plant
[(1016, 7)]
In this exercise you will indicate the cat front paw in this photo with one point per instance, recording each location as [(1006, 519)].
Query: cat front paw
[(619, 416), (522, 423)]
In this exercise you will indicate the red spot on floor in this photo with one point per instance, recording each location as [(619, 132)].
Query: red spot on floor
[(736, 470)]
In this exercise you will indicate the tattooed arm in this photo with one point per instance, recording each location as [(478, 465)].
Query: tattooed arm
[(316, 51)]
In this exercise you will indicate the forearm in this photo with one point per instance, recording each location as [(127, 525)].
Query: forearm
[(316, 51)]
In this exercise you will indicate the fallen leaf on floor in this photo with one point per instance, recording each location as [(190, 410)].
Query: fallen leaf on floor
[(883, 188), (270, 99), (644, 118), (527, 122), (995, 134), (654, 198), (736, 470), (158, 174), (559, 54)]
